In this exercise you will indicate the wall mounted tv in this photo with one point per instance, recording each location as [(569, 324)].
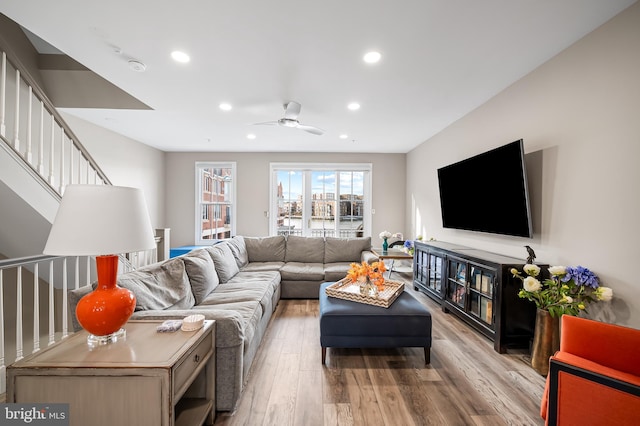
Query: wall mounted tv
[(487, 193)]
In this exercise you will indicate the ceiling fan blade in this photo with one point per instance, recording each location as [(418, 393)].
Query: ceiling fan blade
[(311, 129), (266, 123), (292, 110)]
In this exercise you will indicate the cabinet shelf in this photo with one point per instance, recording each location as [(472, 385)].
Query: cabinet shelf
[(478, 288)]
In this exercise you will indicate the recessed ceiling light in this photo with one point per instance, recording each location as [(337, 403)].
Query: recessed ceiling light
[(225, 106), (353, 106), (372, 57), (180, 57), (251, 136), (343, 136)]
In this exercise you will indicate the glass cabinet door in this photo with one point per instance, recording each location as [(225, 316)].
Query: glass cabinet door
[(435, 273), (481, 283), (456, 282), (420, 267)]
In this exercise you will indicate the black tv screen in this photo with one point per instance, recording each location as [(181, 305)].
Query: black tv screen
[(487, 193)]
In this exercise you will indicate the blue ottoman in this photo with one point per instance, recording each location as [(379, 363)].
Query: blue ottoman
[(346, 324)]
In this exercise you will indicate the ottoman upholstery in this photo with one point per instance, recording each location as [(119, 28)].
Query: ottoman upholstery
[(346, 324)]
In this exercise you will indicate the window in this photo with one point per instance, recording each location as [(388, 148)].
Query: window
[(215, 199), (320, 200)]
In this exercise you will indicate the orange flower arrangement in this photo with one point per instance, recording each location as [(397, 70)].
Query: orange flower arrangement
[(374, 271)]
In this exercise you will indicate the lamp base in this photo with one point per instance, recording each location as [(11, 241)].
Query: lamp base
[(95, 341)]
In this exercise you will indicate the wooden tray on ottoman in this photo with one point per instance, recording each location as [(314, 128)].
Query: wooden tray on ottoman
[(349, 290)]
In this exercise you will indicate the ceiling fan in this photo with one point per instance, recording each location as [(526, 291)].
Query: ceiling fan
[(290, 119)]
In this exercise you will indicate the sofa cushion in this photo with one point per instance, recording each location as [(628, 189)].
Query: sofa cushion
[(231, 319), (345, 249), (265, 249), (201, 272), (160, 286), (304, 249), (336, 271), (239, 250), (223, 259), (262, 266), (297, 271)]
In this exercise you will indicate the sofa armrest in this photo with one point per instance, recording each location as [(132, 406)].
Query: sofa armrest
[(368, 256), (573, 381), (229, 324)]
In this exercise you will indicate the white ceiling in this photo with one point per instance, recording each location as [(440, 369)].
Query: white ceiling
[(440, 60)]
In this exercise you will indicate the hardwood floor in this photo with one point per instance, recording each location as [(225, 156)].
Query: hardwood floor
[(467, 383)]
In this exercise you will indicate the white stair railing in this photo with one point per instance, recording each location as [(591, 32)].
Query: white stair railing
[(31, 126), (33, 296)]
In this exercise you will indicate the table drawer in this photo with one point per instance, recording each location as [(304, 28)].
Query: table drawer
[(191, 362)]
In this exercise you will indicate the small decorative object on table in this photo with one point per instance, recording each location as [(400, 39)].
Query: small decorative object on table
[(568, 291), (385, 235), (370, 277), (348, 290), (365, 283)]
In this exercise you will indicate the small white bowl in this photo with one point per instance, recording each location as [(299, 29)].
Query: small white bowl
[(192, 322)]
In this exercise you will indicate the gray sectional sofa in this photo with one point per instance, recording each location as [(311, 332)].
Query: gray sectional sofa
[(238, 282)]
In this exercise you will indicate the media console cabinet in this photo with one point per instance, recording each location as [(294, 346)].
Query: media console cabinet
[(478, 287)]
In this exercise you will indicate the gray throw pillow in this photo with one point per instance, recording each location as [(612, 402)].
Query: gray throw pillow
[(225, 263), (239, 250), (345, 249), (163, 285), (265, 249), (305, 249), (202, 273)]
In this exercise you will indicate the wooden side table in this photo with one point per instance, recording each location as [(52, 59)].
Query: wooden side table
[(143, 380), (393, 255)]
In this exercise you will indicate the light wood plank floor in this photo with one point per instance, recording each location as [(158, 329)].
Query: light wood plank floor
[(467, 383)]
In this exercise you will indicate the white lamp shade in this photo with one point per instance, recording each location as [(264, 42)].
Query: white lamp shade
[(95, 220)]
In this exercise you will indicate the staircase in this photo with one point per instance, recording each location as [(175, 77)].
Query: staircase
[(39, 157)]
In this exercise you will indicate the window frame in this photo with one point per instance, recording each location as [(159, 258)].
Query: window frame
[(231, 203), (366, 168)]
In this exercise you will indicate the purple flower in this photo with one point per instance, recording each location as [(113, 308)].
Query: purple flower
[(408, 244), (581, 276)]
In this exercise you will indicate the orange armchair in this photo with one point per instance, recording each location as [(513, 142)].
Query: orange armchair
[(594, 379)]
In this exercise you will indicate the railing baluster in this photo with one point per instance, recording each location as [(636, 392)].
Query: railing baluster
[(62, 186), (71, 165), (41, 142), (16, 131), (36, 308), (64, 297), (76, 279), (19, 314), (3, 94), (27, 154), (51, 151), (52, 305)]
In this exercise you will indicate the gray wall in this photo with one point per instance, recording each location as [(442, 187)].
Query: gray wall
[(578, 116), (388, 186), (126, 162)]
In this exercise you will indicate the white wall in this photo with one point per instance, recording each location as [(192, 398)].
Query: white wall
[(388, 182), (579, 116), (126, 162)]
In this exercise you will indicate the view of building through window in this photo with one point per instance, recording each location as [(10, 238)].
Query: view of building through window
[(328, 203), (215, 183)]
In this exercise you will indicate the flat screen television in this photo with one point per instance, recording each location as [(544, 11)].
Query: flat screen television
[(487, 193)]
